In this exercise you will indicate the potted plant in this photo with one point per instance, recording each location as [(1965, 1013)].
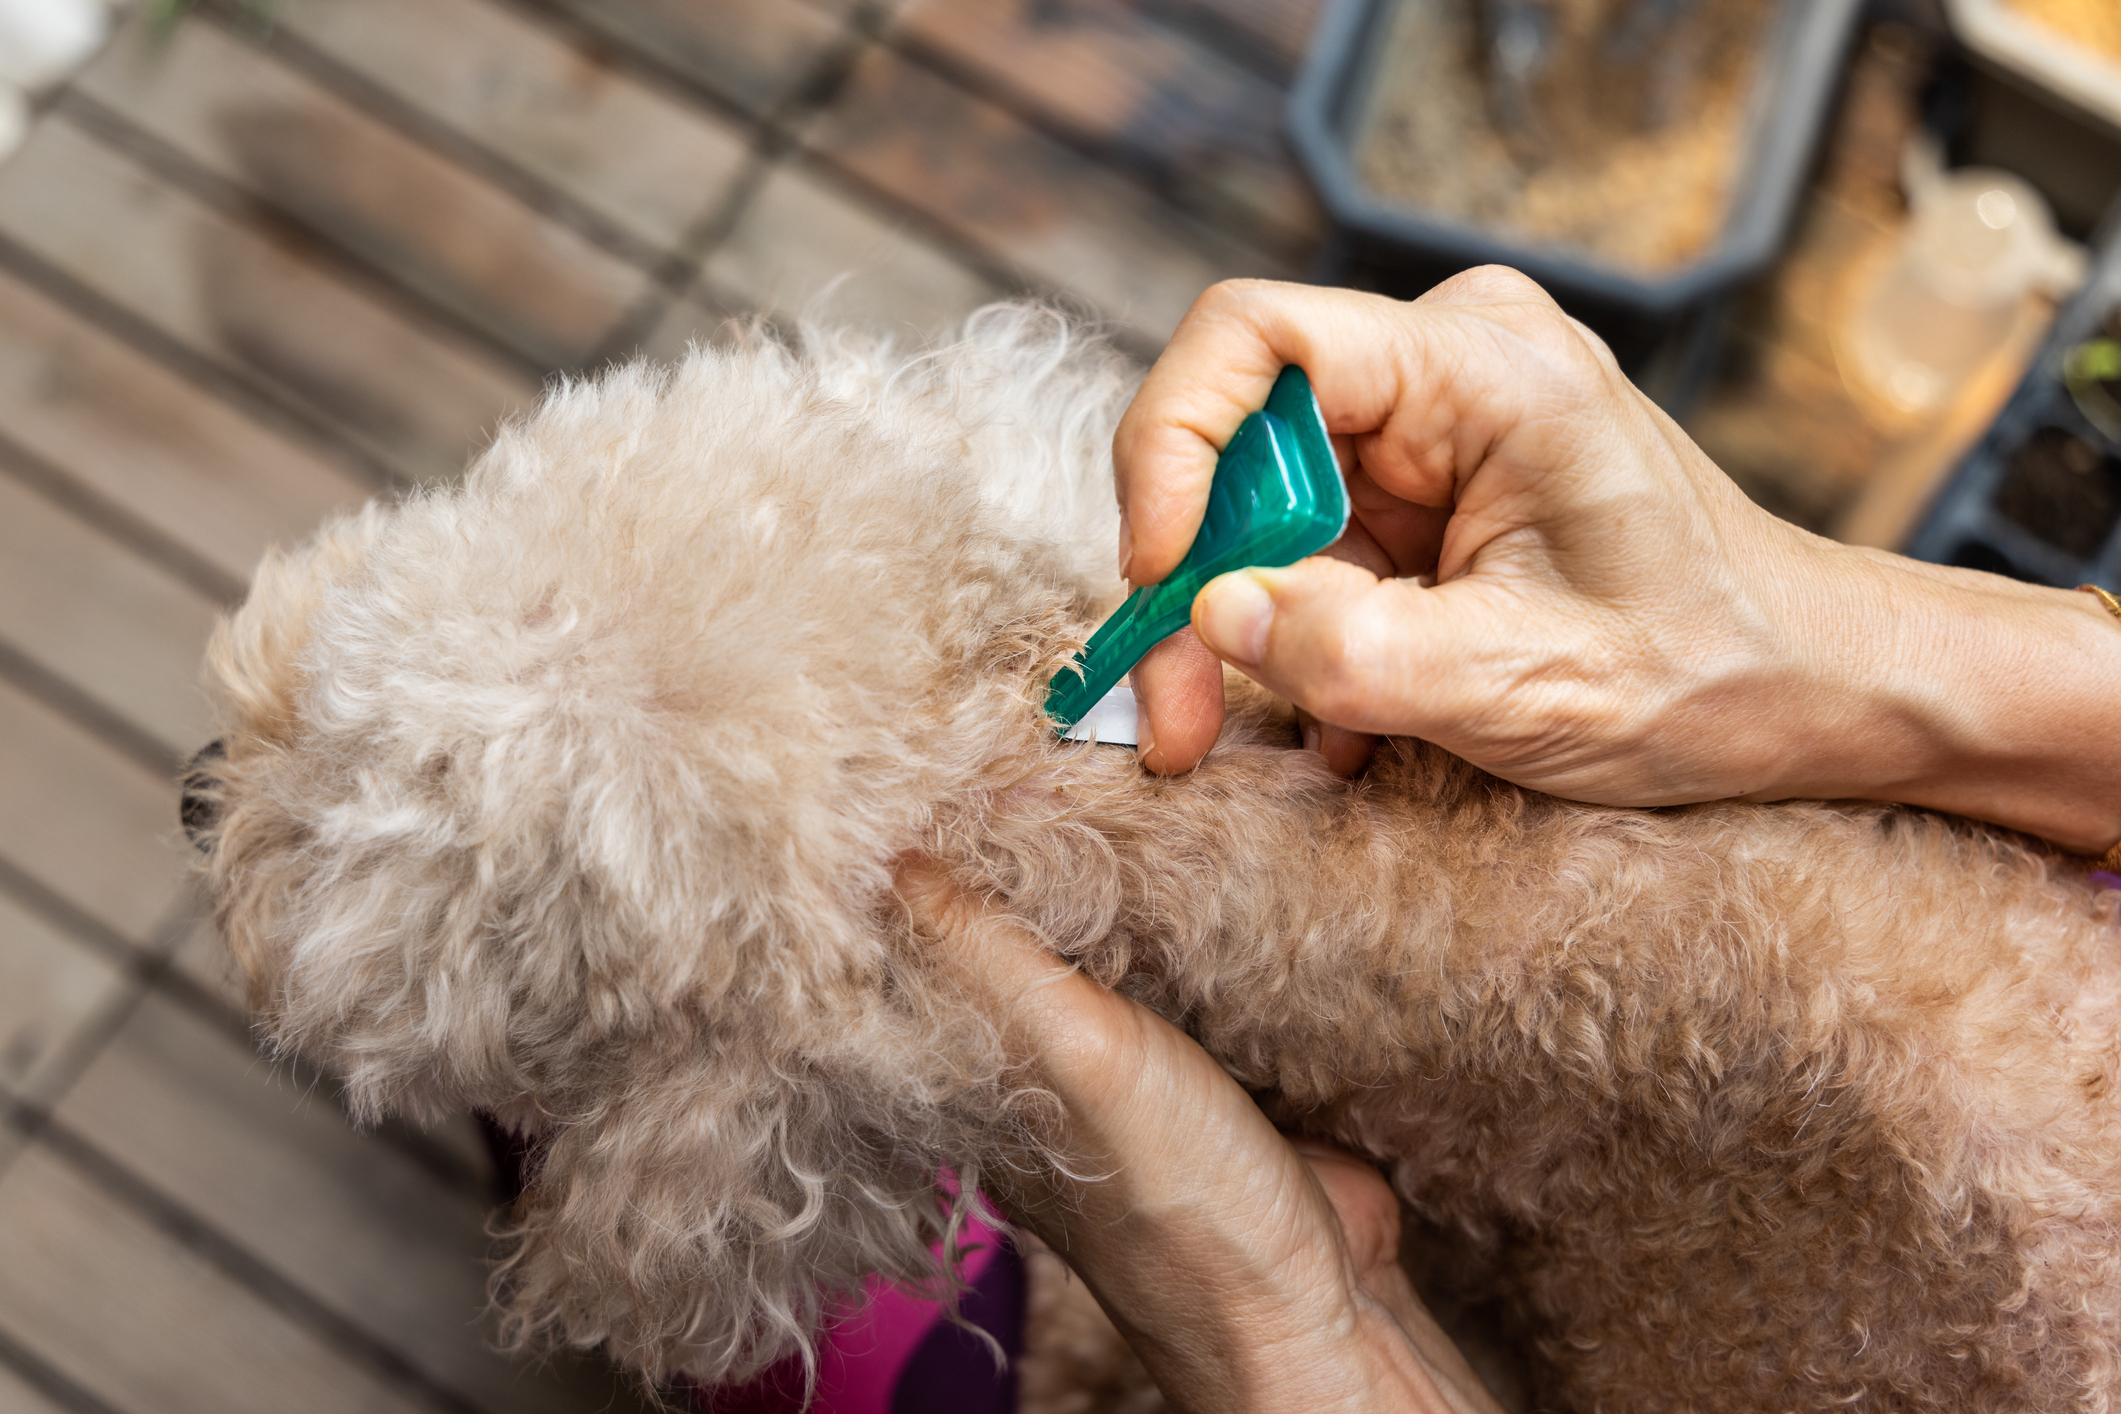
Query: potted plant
[(1639, 158)]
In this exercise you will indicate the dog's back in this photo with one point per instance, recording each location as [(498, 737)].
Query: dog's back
[(1730, 1106)]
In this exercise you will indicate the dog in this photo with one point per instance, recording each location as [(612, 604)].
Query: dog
[(574, 793)]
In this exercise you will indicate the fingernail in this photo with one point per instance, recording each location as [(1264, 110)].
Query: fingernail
[(1233, 618), (1310, 736), (1126, 546), (1144, 737)]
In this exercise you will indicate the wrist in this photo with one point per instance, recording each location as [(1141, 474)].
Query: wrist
[(1958, 691)]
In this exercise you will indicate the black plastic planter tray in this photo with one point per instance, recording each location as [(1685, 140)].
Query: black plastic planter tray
[(1402, 249), (2039, 497)]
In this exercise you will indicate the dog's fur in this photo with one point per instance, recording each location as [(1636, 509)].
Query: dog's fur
[(575, 794)]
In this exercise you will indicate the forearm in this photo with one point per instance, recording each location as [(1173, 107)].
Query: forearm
[(1966, 693)]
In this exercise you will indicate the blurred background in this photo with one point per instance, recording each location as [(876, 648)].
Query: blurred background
[(261, 260)]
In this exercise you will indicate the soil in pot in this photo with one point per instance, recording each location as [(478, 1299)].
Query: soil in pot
[(1614, 126), (2063, 489)]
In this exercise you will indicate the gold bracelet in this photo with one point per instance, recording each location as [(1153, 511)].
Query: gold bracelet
[(2111, 860)]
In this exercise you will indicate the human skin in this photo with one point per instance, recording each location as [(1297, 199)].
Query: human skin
[(1249, 1272), (1544, 575)]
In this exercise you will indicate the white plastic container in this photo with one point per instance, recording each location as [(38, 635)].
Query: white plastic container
[(42, 41), (1979, 242), (1998, 33)]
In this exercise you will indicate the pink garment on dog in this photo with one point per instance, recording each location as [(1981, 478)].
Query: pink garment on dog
[(896, 1354)]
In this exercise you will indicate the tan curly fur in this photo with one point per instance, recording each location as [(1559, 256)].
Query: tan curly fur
[(575, 793)]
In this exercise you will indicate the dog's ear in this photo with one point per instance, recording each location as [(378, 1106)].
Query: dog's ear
[(702, 1220)]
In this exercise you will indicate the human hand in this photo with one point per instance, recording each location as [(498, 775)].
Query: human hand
[(1249, 1272), (1544, 575)]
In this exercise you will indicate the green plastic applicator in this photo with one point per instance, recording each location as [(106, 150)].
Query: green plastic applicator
[(1276, 498)]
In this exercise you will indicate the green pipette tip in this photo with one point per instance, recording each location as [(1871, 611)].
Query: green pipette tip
[(1276, 498)]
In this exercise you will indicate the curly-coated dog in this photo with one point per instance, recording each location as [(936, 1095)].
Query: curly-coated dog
[(574, 794)]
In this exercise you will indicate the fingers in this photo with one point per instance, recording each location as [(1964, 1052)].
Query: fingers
[(1388, 535), (1426, 386), (1345, 752), (1490, 446), (1368, 1213), (1418, 397), (1364, 1203), (1350, 649), (1096, 1048), (1224, 1258), (1217, 370), (1179, 686), (1002, 964)]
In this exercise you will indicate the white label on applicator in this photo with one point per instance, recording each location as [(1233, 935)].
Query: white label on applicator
[(1114, 721)]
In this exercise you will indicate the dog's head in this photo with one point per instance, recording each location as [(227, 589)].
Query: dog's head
[(573, 793)]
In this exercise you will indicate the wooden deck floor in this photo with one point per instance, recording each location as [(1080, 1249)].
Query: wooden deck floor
[(252, 276), (249, 277)]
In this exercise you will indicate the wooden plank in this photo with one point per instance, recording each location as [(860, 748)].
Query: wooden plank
[(420, 397), (118, 1307), (1206, 131), (18, 1397), (137, 436), (454, 1148), (533, 284), (562, 112), (49, 985), (753, 54), (202, 959), (698, 318), (457, 1143), (349, 1219), (800, 234), (1277, 32), (92, 826), (1065, 221), (123, 631)]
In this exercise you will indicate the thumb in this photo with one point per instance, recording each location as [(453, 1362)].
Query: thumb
[(1362, 652)]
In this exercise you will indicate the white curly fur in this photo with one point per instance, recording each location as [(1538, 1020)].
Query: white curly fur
[(574, 794)]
